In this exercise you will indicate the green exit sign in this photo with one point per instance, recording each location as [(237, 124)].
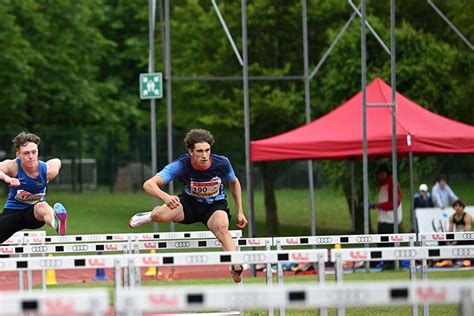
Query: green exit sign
[(151, 86)]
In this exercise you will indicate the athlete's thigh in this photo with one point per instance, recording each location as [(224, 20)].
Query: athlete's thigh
[(31, 221), (218, 219), (11, 221), (166, 214)]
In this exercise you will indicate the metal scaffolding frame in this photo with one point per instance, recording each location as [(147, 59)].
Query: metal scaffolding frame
[(164, 6)]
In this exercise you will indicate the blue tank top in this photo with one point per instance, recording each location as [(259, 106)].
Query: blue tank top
[(205, 186), (30, 191)]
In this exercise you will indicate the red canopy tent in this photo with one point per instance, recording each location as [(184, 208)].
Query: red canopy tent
[(338, 134)]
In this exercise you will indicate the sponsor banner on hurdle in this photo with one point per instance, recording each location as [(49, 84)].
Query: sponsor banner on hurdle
[(18, 237), (345, 239), (125, 246), (119, 237), (293, 296), (64, 302), (402, 253), (446, 236), (168, 259)]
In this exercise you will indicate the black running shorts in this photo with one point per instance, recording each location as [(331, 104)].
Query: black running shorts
[(195, 211), (13, 220)]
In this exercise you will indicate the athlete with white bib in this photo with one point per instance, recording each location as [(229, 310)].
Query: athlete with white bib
[(203, 198), (28, 178)]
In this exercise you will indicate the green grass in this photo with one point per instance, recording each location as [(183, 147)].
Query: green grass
[(94, 212)]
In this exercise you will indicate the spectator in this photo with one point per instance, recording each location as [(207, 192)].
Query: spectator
[(384, 207), (460, 221), (422, 198), (442, 194)]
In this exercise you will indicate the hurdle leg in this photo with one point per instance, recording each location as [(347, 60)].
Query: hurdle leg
[(137, 270), (465, 307), (280, 277), (413, 277), (117, 279), (424, 277), (323, 311), (341, 311), (269, 277)]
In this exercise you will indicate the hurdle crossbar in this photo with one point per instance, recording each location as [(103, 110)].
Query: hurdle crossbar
[(168, 259), (118, 237), (446, 236), (344, 239), (402, 253), (125, 246), (64, 302), (156, 299)]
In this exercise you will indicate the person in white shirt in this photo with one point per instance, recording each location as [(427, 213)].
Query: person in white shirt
[(441, 194)]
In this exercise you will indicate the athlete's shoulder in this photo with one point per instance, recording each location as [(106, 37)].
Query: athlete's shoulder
[(220, 158)]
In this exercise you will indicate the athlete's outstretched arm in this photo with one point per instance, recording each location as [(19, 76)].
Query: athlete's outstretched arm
[(8, 170), (237, 194), (153, 187), (53, 168)]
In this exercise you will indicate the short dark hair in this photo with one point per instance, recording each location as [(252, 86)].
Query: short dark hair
[(459, 202), (24, 138), (197, 135), (382, 168), (442, 177)]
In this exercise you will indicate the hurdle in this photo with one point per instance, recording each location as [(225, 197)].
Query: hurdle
[(407, 253), (192, 298), (20, 237), (127, 247), (93, 302), (118, 237)]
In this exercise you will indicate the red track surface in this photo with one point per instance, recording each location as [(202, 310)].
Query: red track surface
[(9, 280)]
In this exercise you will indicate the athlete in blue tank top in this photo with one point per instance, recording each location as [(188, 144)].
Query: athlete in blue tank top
[(28, 178), (203, 198)]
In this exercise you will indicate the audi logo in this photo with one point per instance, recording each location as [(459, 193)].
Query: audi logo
[(50, 263), (405, 253), (192, 259), (40, 249), (182, 244), (468, 235), (463, 252), (348, 296), (324, 240), (80, 248), (255, 258), (364, 239)]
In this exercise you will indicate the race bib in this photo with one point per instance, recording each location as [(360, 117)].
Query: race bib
[(26, 197), (205, 189)]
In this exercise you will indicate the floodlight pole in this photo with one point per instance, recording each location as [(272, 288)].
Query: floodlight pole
[(169, 101), (248, 164), (307, 100), (151, 68)]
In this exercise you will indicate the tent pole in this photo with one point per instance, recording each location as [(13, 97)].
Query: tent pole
[(414, 228), (352, 167), (365, 162)]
